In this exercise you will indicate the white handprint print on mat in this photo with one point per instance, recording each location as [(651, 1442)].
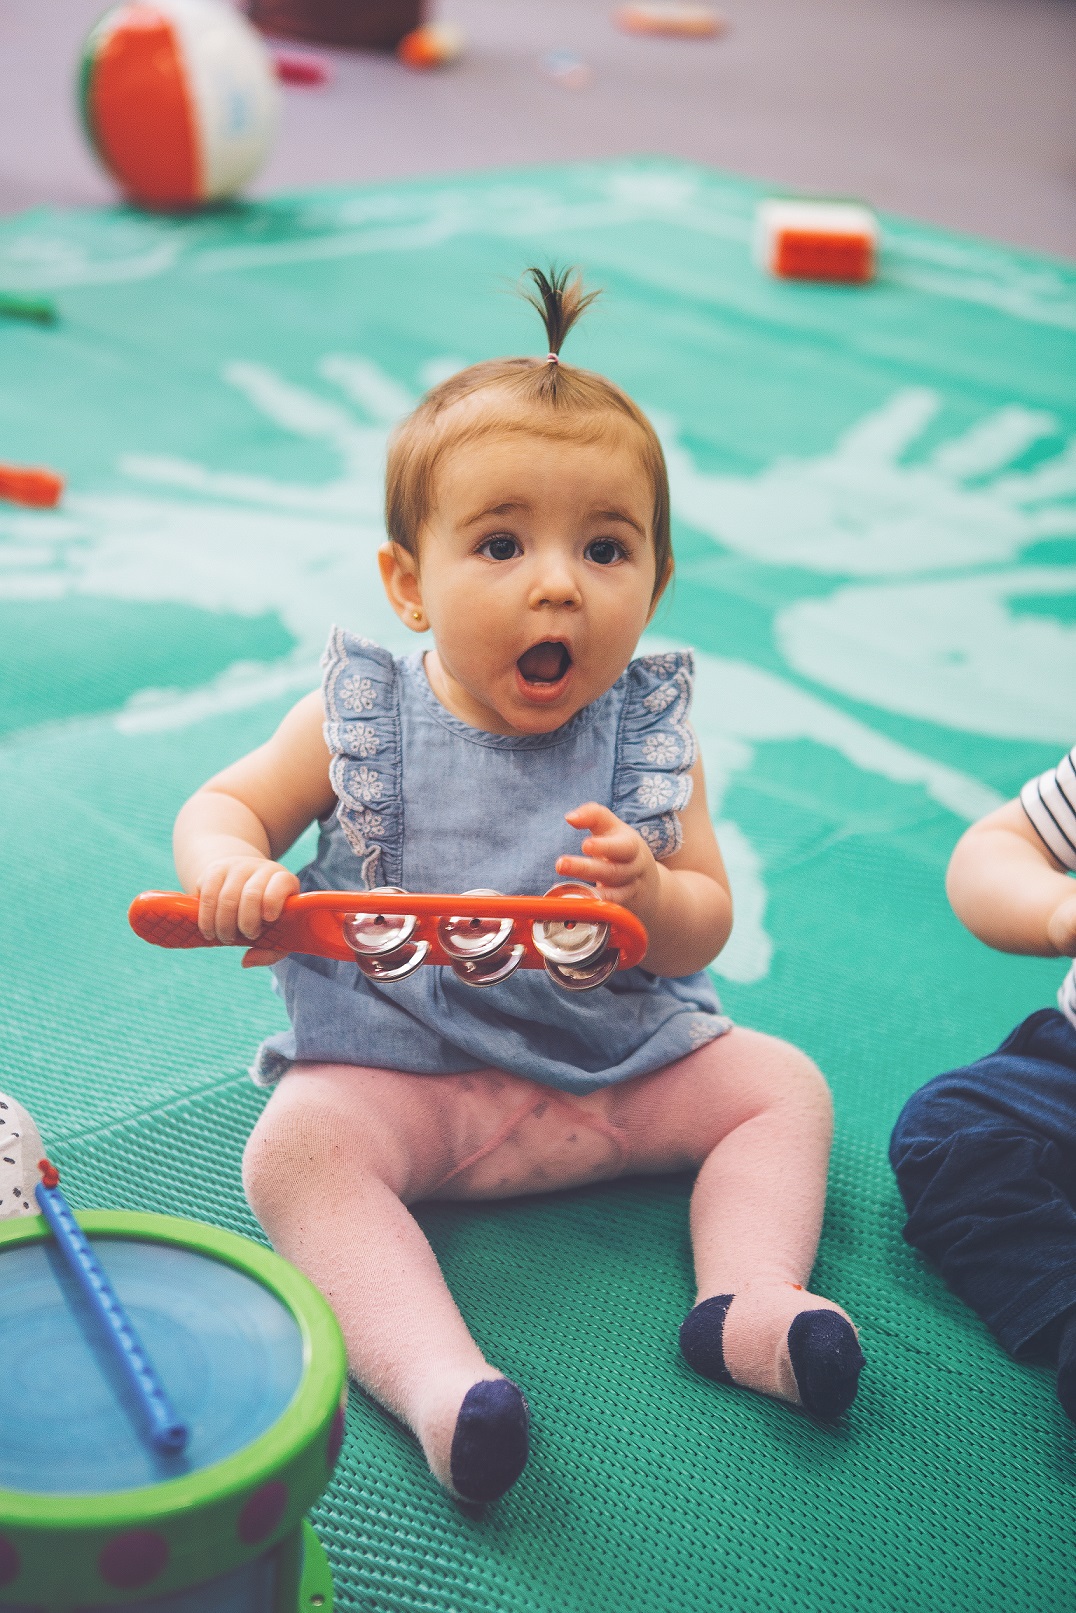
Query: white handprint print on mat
[(862, 511), (956, 652), (961, 652), (241, 544), (360, 445)]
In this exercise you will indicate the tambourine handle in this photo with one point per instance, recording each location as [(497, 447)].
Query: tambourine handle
[(314, 921)]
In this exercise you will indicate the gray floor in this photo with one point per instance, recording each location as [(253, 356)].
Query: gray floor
[(961, 112)]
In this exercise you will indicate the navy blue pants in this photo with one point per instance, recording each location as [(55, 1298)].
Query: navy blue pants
[(986, 1163)]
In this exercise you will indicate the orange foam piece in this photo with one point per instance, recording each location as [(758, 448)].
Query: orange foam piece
[(31, 484), (671, 21), (432, 45)]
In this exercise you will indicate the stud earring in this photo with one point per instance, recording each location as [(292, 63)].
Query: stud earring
[(416, 615)]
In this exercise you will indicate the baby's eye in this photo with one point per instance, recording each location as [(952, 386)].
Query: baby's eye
[(500, 547), (604, 551)]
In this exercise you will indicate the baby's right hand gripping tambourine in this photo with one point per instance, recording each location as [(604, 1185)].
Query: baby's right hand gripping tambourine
[(481, 936)]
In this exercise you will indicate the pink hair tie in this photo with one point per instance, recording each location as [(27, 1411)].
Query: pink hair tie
[(554, 358)]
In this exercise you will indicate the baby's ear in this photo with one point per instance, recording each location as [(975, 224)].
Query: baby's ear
[(399, 574)]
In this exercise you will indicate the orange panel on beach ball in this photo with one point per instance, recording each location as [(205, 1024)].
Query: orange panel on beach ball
[(139, 111)]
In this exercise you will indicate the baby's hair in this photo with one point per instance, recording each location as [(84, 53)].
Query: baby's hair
[(540, 396), (560, 301)]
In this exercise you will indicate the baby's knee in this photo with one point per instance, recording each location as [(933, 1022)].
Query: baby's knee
[(810, 1085), (937, 1114), (332, 1128), (759, 1077), (287, 1145), (303, 1135), (792, 1081)]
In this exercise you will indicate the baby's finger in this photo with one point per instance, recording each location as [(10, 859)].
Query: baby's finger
[(594, 870), (255, 957), (249, 918), (592, 815), (281, 885), (208, 896), (616, 848), (230, 901)]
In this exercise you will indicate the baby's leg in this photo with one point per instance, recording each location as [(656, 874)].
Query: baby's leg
[(336, 1155), (757, 1113)]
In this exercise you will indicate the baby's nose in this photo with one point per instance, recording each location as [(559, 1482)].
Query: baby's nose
[(556, 586)]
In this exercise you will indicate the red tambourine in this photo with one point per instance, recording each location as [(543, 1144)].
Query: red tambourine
[(389, 933)]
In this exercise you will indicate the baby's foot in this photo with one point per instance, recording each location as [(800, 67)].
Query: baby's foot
[(491, 1443), (480, 1452), (780, 1340)]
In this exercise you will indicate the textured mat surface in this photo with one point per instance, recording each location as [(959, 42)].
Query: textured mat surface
[(873, 498)]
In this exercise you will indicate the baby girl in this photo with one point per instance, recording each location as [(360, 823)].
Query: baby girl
[(528, 518)]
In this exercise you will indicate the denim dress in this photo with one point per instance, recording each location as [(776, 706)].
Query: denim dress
[(428, 803)]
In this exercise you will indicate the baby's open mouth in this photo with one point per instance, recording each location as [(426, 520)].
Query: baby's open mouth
[(544, 663)]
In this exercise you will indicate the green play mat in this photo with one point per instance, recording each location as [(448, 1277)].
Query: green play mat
[(876, 534)]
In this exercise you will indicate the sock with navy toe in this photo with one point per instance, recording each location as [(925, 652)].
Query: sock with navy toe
[(779, 1340), (700, 1338), (823, 1347), (491, 1443)]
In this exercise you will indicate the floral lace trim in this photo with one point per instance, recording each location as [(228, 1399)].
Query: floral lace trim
[(703, 1028), (367, 794), (659, 750)]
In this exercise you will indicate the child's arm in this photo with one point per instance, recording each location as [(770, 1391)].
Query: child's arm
[(684, 901), (230, 832), (1006, 885)]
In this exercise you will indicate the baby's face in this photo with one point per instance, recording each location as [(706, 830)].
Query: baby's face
[(536, 574)]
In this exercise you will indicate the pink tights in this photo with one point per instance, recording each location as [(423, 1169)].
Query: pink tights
[(340, 1151)]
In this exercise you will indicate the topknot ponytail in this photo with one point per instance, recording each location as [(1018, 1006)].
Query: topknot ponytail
[(560, 300)]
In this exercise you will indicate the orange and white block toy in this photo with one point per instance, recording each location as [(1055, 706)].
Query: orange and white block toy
[(816, 240)]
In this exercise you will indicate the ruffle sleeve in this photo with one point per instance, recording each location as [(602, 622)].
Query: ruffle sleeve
[(362, 732), (657, 749)]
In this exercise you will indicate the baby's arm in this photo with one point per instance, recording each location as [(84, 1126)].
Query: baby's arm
[(684, 901), (1006, 885), (230, 832)]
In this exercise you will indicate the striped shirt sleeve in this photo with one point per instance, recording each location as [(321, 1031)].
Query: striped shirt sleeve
[(1050, 803)]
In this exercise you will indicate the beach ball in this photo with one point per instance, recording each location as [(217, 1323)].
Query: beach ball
[(179, 99)]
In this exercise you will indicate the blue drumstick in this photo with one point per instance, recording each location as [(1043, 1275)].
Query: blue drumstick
[(166, 1432)]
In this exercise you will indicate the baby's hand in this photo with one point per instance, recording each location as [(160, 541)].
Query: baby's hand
[(239, 896), (615, 858), (1061, 928)]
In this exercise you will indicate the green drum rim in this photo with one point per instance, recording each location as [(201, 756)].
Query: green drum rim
[(197, 1512), (316, 1585)]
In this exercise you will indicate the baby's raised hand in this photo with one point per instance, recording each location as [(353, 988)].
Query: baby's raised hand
[(239, 896), (614, 857), (1061, 927)]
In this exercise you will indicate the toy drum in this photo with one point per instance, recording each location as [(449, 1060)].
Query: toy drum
[(92, 1515)]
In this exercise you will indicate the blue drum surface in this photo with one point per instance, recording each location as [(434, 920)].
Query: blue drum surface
[(229, 1353)]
